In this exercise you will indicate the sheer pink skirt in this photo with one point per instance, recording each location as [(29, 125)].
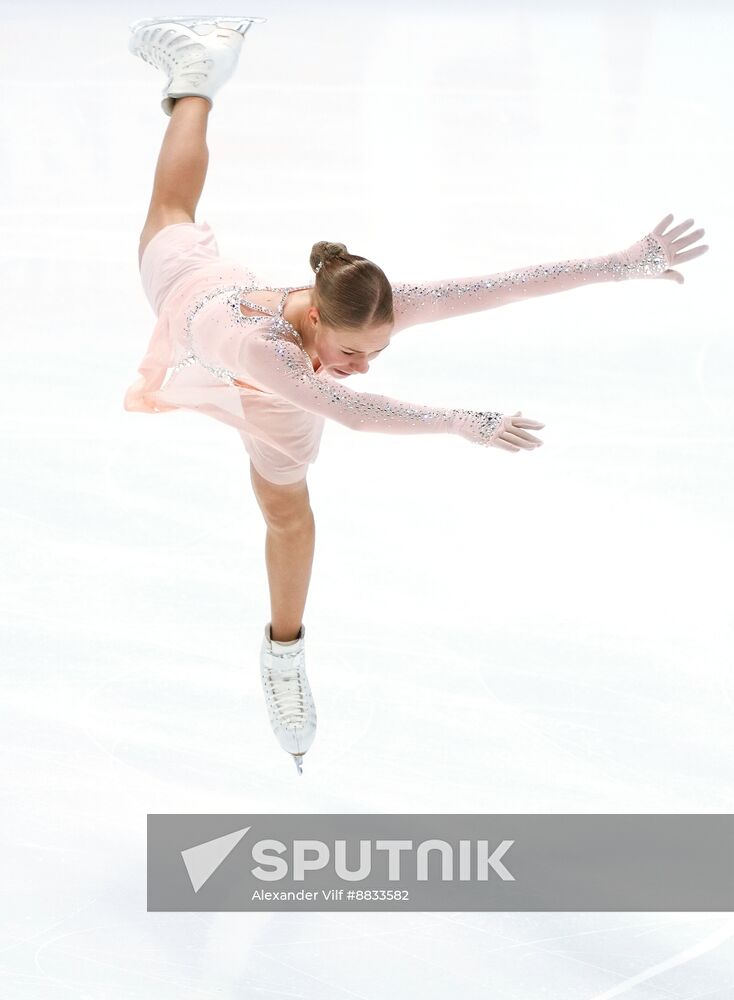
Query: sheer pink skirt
[(181, 262)]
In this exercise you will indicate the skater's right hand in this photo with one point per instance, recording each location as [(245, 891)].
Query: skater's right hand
[(494, 430)]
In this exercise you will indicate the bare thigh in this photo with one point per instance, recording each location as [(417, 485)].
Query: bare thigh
[(280, 504), (158, 218)]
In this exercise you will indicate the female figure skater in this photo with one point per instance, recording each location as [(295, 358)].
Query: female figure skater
[(271, 361)]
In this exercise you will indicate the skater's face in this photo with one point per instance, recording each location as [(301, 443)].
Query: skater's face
[(347, 353)]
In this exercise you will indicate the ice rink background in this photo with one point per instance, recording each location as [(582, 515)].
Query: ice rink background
[(490, 632)]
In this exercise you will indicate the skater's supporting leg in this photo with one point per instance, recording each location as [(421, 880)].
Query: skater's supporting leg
[(289, 551), (181, 169)]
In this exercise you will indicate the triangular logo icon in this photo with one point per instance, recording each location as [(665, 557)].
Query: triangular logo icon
[(203, 860)]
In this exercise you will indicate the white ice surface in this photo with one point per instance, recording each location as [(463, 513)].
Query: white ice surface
[(489, 632)]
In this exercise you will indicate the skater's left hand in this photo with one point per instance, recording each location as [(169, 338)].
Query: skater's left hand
[(643, 259)]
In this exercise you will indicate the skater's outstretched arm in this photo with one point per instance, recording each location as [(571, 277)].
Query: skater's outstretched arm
[(649, 257), (279, 365)]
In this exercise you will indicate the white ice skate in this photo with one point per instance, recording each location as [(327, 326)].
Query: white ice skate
[(197, 52), (288, 694)]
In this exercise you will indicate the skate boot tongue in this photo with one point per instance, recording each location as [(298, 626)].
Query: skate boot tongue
[(281, 649), (286, 647)]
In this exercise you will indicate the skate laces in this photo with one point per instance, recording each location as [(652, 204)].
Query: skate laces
[(287, 690), (159, 47)]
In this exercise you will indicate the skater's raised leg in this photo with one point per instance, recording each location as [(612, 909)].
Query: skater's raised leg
[(198, 55), (181, 169)]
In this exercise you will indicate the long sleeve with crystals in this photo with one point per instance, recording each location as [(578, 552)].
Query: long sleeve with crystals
[(434, 300), (277, 363)]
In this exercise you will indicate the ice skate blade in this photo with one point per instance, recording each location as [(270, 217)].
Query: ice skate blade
[(298, 758), (194, 21)]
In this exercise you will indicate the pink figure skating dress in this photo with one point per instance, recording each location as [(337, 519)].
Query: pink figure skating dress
[(251, 370)]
